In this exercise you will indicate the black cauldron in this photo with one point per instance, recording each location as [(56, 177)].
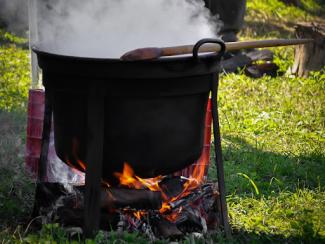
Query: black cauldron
[(154, 111)]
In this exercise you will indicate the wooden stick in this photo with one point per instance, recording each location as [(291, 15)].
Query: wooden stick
[(156, 52)]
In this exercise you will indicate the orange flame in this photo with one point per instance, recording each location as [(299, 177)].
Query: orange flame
[(73, 168), (139, 214), (82, 165), (165, 207), (129, 179)]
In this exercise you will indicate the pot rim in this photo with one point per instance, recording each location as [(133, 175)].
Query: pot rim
[(184, 58)]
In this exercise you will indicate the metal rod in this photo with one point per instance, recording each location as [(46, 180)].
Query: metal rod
[(95, 151), (33, 38), (47, 121), (218, 154)]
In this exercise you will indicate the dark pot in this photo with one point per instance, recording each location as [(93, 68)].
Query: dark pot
[(154, 110)]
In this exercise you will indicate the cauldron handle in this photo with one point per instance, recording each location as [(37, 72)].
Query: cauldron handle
[(197, 46)]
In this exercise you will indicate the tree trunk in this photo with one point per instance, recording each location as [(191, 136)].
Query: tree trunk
[(309, 57)]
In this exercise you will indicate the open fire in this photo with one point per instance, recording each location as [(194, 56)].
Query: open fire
[(165, 206), (128, 179)]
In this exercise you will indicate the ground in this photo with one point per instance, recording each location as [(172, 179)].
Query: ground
[(273, 137)]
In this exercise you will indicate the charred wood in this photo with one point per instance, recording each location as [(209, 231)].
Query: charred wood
[(172, 186), (131, 198), (166, 229), (120, 198), (51, 196)]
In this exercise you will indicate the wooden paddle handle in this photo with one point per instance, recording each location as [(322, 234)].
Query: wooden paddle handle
[(155, 53), (233, 46)]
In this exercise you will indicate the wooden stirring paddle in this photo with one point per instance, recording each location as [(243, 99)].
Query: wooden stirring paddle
[(152, 53)]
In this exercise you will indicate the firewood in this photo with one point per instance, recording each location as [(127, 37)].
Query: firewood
[(133, 198), (120, 198), (55, 195), (167, 229)]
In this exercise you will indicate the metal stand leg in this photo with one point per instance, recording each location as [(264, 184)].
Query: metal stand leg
[(218, 153), (47, 121), (94, 160)]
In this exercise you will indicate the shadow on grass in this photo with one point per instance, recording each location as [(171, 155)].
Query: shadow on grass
[(269, 28), (270, 171), (242, 236), (320, 11), (288, 205)]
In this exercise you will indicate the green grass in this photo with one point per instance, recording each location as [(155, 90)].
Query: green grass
[(273, 138), (292, 215), (273, 141), (16, 187), (14, 72), (275, 124), (274, 19)]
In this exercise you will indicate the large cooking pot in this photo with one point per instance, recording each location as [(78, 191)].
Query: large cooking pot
[(154, 110)]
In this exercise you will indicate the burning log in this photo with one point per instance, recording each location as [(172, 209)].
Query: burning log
[(65, 204), (48, 194), (140, 199)]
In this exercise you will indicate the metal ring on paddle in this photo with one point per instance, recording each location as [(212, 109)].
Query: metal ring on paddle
[(198, 45)]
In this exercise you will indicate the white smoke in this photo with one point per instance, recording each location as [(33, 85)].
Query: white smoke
[(58, 171), (14, 16), (109, 28)]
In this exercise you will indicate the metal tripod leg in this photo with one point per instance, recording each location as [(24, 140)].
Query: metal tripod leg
[(47, 121), (218, 154), (94, 162)]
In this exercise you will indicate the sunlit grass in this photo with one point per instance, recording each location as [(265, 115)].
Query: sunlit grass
[(292, 215), (273, 132), (14, 72), (274, 19)]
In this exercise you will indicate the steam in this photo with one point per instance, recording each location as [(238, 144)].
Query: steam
[(58, 171), (13, 16), (107, 29)]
